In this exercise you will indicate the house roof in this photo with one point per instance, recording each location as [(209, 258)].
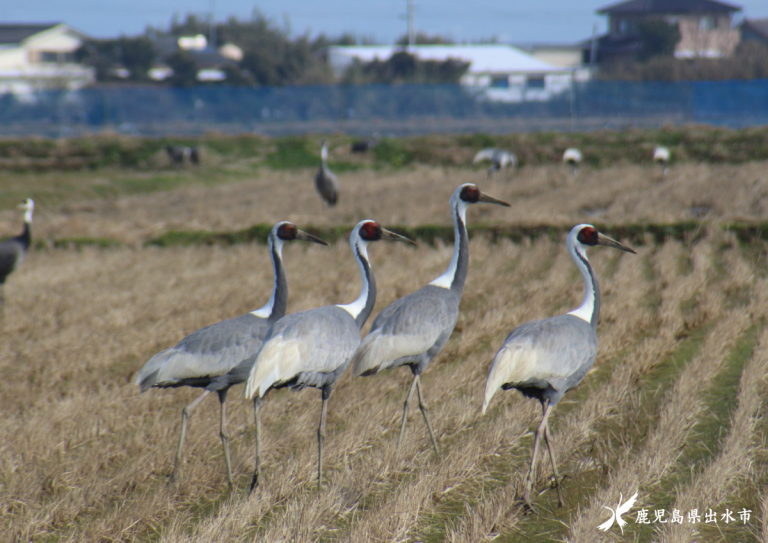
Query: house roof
[(675, 7), (758, 26), (482, 58), (17, 33)]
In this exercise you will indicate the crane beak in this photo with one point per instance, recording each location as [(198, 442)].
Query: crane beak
[(303, 236), (391, 236), (488, 199), (608, 242)]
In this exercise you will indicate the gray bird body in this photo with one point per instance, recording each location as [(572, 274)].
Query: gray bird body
[(206, 353), (215, 357), (544, 359), (313, 348), (306, 349), (216, 349), (414, 329), (499, 158), (326, 183), (12, 252)]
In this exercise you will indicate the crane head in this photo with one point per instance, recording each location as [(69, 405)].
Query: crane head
[(287, 231), (586, 234), (373, 231), (27, 205), (470, 194)]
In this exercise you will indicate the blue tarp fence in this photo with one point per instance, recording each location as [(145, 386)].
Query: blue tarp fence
[(398, 109)]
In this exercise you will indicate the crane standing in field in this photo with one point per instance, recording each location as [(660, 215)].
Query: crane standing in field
[(499, 158), (313, 348), (326, 183), (413, 330), (545, 359), (573, 157), (661, 157), (13, 250), (214, 350)]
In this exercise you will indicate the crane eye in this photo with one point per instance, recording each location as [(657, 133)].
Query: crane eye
[(588, 235), (470, 194), (370, 231), (287, 231)]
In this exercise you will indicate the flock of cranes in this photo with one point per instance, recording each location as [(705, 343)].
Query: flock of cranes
[(267, 349)]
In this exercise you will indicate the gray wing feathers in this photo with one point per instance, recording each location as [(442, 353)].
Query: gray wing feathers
[(11, 255), (318, 341), (408, 330), (208, 352), (327, 184), (559, 351)]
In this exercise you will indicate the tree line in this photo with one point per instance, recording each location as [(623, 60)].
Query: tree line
[(271, 57)]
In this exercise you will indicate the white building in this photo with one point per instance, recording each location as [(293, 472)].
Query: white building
[(503, 73), (41, 56)]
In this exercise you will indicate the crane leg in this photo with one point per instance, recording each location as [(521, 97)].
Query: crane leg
[(185, 414), (548, 439), (321, 438), (405, 413), (225, 436), (537, 439), (257, 418), (425, 411)]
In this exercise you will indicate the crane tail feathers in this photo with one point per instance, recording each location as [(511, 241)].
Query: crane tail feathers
[(277, 361)]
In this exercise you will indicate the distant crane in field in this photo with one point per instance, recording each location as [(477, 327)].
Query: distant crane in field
[(326, 183), (213, 351), (313, 348), (499, 158), (572, 157), (545, 359), (413, 330), (661, 157), (364, 145), (179, 153), (13, 250)]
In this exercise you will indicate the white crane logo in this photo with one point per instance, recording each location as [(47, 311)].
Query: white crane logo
[(616, 514)]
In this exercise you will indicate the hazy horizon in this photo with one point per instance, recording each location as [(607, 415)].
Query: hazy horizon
[(554, 21)]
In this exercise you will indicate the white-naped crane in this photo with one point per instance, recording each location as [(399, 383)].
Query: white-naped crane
[(411, 331), (572, 157), (326, 183), (545, 359), (202, 356), (499, 158), (313, 348), (661, 157), (13, 250)]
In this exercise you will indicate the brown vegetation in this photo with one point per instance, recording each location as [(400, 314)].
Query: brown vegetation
[(412, 197), (84, 457)]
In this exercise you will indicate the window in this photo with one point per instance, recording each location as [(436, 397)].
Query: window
[(49, 56), (500, 82), (535, 82)]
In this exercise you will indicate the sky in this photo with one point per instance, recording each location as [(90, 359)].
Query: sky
[(542, 21)]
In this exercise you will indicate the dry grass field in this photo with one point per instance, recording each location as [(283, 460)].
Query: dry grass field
[(674, 406), (236, 197)]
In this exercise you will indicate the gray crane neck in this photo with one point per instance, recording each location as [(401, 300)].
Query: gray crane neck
[(591, 282), (369, 284), (280, 293), (462, 240), (26, 236)]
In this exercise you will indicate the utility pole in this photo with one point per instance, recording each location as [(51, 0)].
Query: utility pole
[(411, 30), (212, 27)]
